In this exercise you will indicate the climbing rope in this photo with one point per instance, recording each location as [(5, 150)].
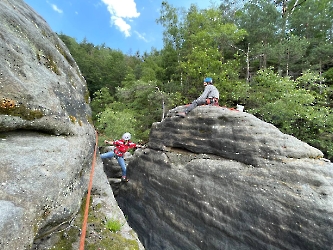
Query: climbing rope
[(85, 219)]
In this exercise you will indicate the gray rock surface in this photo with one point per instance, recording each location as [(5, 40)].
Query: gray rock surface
[(46, 139), (40, 84), (231, 134), (223, 179)]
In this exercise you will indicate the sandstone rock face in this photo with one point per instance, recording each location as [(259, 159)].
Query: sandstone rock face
[(46, 139), (230, 134), (41, 87), (223, 179)]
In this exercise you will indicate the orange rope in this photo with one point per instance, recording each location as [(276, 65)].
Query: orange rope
[(85, 219)]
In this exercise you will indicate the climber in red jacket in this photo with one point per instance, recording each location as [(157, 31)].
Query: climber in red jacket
[(122, 146)]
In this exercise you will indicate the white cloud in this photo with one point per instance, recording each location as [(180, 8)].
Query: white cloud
[(122, 25), (122, 13), (141, 36), (55, 8)]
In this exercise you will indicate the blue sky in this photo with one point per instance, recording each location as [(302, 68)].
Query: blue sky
[(127, 25)]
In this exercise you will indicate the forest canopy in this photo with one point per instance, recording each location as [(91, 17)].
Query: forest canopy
[(273, 57)]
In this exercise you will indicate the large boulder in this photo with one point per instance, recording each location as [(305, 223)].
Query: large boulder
[(41, 86), (223, 179), (230, 134), (47, 142)]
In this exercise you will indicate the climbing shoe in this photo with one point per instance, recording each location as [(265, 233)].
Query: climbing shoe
[(124, 179)]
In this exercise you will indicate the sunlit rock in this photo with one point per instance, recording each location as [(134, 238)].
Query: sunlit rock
[(223, 179), (46, 139)]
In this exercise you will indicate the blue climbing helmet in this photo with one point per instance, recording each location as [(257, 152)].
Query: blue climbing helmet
[(208, 80)]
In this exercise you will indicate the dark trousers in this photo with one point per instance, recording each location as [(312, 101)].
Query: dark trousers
[(195, 103)]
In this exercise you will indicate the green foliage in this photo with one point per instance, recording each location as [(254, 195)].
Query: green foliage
[(100, 66), (320, 56), (205, 38), (246, 48), (232, 89), (136, 108), (288, 52), (100, 100), (101, 234), (314, 83), (282, 102), (148, 74), (317, 15), (329, 76), (113, 225), (261, 19), (268, 87), (113, 122), (145, 99)]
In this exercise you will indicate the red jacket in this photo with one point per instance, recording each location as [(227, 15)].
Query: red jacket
[(122, 147)]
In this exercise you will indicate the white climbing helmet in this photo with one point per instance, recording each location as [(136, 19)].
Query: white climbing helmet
[(126, 136)]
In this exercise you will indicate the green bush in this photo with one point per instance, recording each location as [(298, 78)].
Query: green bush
[(329, 76), (113, 225)]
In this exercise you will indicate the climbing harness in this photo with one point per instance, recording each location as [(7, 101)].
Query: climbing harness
[(212, 101)]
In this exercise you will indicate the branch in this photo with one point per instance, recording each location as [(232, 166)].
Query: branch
[(296, 4), (237, 48)]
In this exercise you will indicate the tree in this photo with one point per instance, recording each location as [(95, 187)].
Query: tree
[(234, 45), (312, 19), (320, 57), (113, 123), (288, 6), (206, 38), (262, 22), (290, 53), (137, 106), (152, 66), (296, 107), (101, 99), (170, 64), (100, 66), (328, 75), (171, 19)]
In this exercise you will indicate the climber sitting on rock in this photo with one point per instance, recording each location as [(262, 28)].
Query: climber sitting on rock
[(121, 147), (210, 96)]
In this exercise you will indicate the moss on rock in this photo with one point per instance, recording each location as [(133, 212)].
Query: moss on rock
[(98, 236), (9, 107)]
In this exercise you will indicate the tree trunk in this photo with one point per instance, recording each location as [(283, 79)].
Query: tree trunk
[(248, 64)]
